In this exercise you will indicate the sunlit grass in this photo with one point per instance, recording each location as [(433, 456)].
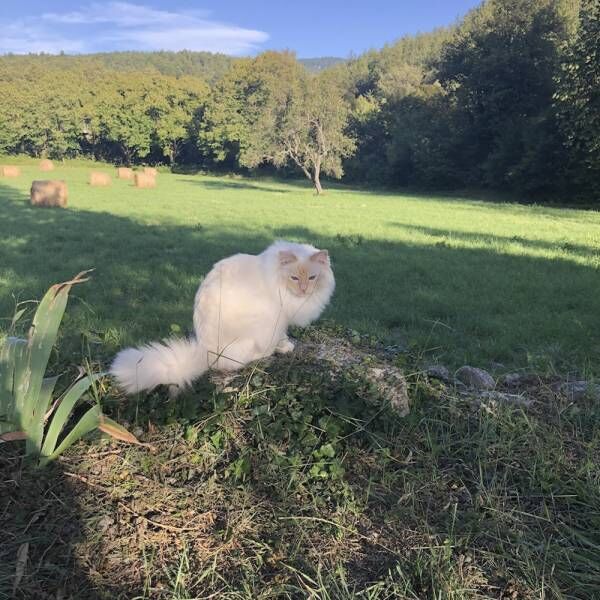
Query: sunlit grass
[(464, 280)]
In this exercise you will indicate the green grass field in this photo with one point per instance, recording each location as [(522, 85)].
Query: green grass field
[(457, 280), (282, 488)]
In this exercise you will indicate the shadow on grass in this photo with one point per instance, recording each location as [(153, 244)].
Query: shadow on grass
[(144, 284), (235, 184), (470, 304), (39, 517), (485, 238)]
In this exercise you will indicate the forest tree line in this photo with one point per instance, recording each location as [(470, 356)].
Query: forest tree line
[(507, 99)]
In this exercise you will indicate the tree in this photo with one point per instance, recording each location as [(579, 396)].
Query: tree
[(172, 106), (578, 96), (311, 131), (238, 101), (123, 119), (303, 122), (499, 70)]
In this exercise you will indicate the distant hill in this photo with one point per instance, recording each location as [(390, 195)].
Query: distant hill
[(206, 65), (314, 65)]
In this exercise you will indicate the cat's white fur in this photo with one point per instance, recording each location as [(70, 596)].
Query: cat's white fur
[(242, 312)]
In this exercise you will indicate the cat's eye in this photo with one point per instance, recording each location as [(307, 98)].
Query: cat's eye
[(294, 277), (312, 277)]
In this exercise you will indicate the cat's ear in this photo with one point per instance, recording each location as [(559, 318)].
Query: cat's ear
[(322, 257), (287, 257)]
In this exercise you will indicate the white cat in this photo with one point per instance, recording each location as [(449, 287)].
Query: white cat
[(242, 312)]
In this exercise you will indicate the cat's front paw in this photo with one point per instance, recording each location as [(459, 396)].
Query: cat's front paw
[(284, 346)]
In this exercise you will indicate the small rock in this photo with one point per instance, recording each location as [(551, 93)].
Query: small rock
[(475, 378), (104, 523), (578, 390), (439, 372), (517, 380), (138, 432)]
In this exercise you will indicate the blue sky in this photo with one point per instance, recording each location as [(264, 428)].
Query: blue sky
[(311, 28)]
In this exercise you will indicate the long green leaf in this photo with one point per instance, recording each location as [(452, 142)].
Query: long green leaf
[(89, 421), (42, 337), (41, 340), (64, 410), (35, 430), (12, 359)]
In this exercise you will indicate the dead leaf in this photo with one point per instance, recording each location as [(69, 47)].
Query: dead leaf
[(13, 436), (22, 555)]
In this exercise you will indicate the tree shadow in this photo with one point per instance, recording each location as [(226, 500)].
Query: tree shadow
[(481, 305), (466, 301), (485, 238), (41, 525), (233, 184)]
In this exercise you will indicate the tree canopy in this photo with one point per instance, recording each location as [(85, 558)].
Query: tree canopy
[(505, 99)]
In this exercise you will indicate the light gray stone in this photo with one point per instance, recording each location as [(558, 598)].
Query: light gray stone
[(439, 372), (578, 390), (475, 378)]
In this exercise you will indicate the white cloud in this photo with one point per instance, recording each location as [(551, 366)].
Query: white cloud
[(126, 26)]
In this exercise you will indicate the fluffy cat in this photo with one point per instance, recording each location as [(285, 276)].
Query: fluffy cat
[(242, 312)]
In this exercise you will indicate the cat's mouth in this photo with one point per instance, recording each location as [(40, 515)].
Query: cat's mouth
[(299, 293)]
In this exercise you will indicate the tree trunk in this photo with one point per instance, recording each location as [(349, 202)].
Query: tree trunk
[(316, 179), (126, 154)]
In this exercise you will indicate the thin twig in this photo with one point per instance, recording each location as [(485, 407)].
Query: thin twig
[(162, 525), (133, 512)]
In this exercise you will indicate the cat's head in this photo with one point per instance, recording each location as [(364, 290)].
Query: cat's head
[(304, 274)]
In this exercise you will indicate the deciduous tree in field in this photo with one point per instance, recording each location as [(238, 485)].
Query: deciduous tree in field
[(270, 110), (310, 129)]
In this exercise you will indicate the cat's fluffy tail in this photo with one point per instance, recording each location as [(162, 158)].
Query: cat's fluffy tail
[(174, 362)]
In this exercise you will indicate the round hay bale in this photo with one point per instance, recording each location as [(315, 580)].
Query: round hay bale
[(99, 179), (46, 165), (150, 171), (124, 173), (10, 171), (144, 181), (50, 193)]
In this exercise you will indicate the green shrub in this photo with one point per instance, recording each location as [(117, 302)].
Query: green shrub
[(28, 410)]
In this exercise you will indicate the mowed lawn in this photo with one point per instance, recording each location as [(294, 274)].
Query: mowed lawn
[(456, 280)]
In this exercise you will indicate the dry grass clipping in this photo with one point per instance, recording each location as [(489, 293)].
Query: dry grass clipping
[(142, 180), (10, 171), (124, 173), (49, 193), (46, 165), (99, 179)]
